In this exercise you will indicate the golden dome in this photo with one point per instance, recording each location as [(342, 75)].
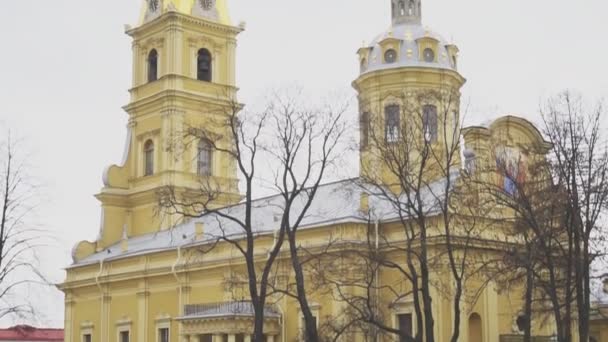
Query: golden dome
[(189, 7)]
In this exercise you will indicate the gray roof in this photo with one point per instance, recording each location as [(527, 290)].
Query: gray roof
[(408, 34), (338, 202)]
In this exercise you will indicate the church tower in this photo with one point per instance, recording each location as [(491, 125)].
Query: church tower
[(408, 77), (183, 76)]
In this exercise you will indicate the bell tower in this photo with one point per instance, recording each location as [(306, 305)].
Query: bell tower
[(406, 11), (409, 97), (183, 77)]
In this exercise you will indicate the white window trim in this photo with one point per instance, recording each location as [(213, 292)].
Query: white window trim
[(314, 309), (163, 322), (86, 328), (122, 326), (401, 308)]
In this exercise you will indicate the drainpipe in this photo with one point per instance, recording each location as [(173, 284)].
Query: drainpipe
[(377, 227), (101, 295), (173, 270)]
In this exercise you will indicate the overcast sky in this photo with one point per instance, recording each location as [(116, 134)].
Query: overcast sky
[(65, 68)]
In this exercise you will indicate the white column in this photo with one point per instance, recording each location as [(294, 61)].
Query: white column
[(269, 338), (247, 338), (232, 338), (218, 338)]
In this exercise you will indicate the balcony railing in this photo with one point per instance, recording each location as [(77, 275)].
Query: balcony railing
[(241, 308), (520, 338)]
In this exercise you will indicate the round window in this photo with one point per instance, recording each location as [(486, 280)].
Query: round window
[(390, 56), (429, 55)]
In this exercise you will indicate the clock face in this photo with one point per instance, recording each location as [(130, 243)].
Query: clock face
[(429, 55), (390, 56), (207, 4), (153, 5)]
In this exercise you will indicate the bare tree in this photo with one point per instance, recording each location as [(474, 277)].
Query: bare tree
[(19, 237), (299, 145), (413, 178), (556, 212), (580, 165)]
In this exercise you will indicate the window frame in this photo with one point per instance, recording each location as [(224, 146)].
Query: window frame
[(315, 310), (204, 52), (386, 52), (160, 328), (152, 78), (149, 157), (405, 309), (364, 123), (427, 120), (392, 136), (200, 148)]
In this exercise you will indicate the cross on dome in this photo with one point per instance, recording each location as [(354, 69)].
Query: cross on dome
[(406, 11)]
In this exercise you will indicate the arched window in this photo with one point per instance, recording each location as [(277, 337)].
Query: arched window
[(411, 8), (204, 65), (152, 66), (475, 332), (149, 158), (204, 158), (392, 123), (429, 123), (402, 7)]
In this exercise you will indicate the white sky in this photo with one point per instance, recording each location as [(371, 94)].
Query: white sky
[(65, 68)]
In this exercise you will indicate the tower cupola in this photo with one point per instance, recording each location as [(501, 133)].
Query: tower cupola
[(406, 11)]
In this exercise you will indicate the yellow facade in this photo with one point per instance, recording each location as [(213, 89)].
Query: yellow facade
[(128, 281)]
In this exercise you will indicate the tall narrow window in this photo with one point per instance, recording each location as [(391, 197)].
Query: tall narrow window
[(475, 332), (402, 7), (405, 326), (204, 65), (149, 158), (392, 123), (152, 66), (124, 336), (411, 8), (205, 158), (364, 129), (86, 338), (163, 335), (429, 123)]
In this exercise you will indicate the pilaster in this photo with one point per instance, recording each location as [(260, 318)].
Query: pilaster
[(68, 323), (142, 312)]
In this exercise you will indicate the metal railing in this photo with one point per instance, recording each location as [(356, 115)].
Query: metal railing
[(241, 308)]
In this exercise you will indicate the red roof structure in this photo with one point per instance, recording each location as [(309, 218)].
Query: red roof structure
[(29, 333)]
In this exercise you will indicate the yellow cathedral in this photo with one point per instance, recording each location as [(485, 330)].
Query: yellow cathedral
[(140, 280)]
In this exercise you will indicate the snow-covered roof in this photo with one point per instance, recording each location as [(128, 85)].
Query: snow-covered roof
[(334, 203)]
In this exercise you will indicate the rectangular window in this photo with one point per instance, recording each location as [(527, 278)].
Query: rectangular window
[(124, 336), (405, 325), (429, 123), (392, 122), (86, 338), (205, 338), (163, 335), (364, 129)]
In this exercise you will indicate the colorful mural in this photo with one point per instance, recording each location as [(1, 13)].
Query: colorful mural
[(511, 168)]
